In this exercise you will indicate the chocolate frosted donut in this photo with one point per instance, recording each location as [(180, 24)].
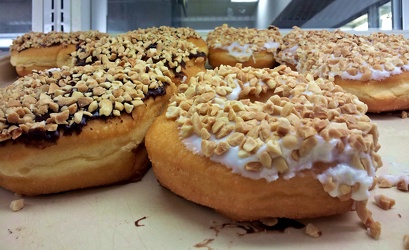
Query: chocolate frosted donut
[(79, 127), (249, 47), (261, 143), (41, 51), (183, 58), (375, 68)]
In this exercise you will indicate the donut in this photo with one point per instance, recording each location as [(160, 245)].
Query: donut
[(73, 128), (375, 68), (183, 58), (41, 51), (182, 33), (247, 46), (266, 143)]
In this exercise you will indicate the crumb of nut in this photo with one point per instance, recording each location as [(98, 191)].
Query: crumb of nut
[(384, 202), (269, 221), (17, 205), (404, 114), (313, 230), (384, 183), (402, 185), (375, 230), (406, 241)]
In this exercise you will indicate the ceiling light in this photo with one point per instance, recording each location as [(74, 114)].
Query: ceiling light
[(243, 1)]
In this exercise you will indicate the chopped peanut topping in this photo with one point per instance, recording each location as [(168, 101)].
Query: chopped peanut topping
[(328, 54), (275, 136), (165, 46), (40, 39), (257, 39), (46, 100)]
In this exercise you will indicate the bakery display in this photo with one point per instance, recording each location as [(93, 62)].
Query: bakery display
[(41, 51), (248, 46), (72, 128), (261, 143), (374, 67)]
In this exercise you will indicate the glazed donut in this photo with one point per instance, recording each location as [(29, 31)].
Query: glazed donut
[(72, 128), (249, 47), (306, 150), (41, 51), (375, 68), (182, 58)]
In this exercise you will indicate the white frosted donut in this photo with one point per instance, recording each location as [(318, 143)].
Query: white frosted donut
[(375, 68), (247, 46), (260, 143)]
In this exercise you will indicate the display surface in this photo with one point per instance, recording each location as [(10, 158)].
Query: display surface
[(144, 215)]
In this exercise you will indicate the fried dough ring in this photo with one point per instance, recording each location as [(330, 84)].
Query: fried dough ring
[(261, 143), (208, 183), (40, 155)]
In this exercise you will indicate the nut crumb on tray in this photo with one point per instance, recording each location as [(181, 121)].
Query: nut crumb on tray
[(313, 230), (17, 205), (384, 202)]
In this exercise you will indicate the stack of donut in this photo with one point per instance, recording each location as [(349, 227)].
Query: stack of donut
[(265, 143)]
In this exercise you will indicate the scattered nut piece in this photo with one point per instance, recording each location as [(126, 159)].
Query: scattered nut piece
[(17, 205), (384, 202), (313, 231), (375, 230), (269, 221)]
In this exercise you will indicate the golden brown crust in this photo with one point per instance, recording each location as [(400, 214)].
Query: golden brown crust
[(260, 59), (203, 181), (200, 43), (55, 56), (41, 51), (250, 144), (105, 152), (385, 95), (80, 127), (250, 47), (35, 59)]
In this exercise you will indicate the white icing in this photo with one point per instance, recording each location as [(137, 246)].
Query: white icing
[(245, 52), (271, 45), (242, 52), (234, 95), (345, 174), (54, 69), (323, 151), (376, 74)]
